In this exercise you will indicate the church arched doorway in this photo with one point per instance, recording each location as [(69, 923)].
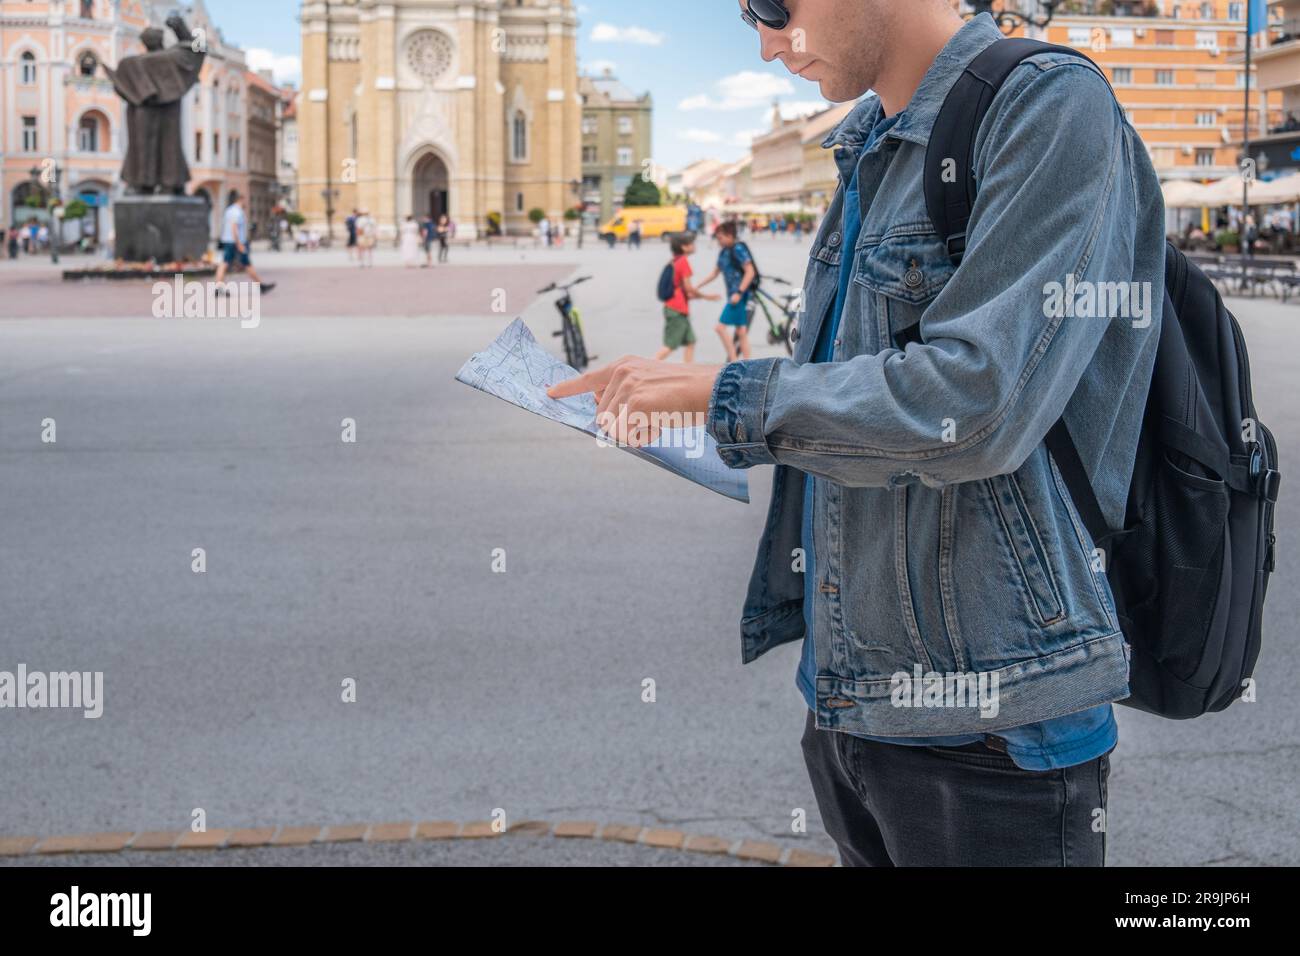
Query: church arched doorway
[(431, 188)]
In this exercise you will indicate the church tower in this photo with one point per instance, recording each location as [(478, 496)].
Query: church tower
[(419, 107)]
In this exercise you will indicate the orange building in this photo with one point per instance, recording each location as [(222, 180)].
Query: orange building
[(1177, 69)]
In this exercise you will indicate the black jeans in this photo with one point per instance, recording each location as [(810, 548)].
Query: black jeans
[(895, 805)]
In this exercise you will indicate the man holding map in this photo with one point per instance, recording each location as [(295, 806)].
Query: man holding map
[(917, 524)]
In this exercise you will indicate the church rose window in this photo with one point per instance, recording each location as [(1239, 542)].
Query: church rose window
[(429, 54)]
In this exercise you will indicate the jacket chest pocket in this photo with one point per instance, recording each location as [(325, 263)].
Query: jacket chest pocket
[(903, 274)]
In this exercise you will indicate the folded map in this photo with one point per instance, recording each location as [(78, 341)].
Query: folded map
[(515, 368)]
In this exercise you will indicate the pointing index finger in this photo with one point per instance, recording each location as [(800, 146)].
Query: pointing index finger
[(583, 383)]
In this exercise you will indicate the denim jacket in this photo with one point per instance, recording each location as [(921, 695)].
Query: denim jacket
[(945, 538)]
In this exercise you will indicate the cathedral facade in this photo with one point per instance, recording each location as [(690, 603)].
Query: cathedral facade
[(423, 107)]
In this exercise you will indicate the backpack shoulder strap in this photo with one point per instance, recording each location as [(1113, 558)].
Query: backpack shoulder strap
[(950, 156), (949, 180)]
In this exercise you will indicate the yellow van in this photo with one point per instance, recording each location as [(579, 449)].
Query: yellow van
[(655, 221)]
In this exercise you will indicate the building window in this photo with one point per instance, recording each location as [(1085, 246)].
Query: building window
[(88, 134), (519, 137), (1080, 36), (1122, 74), (625, 155), (589, 154), (1207, 40), (1207, 11), (1205, 118), (589, 125), (87, 64), (625, 125), (1122, 37), (1165, 77), (1236, 11), (30, 143), (519, 202), (198, 145), (88, 9), (1205, 157), (27, 71)]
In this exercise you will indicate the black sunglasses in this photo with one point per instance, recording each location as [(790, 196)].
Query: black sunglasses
[(771, 13)]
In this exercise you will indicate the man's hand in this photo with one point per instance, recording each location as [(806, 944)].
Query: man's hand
[(636, 398)]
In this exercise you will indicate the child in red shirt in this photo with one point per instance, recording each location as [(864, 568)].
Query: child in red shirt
[(677, 310)]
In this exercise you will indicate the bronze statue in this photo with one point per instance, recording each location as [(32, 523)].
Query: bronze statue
[(154, 85)]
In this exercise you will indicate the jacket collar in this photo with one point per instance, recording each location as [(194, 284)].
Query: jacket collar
[(918, 117)]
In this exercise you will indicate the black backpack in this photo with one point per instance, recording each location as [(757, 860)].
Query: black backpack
[(667, 286), (735, 261), (1190, 567)]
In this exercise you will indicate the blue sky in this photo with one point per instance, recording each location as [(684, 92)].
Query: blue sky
[(711, 89)]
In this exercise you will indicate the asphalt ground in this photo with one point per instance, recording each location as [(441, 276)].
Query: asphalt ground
[(476, 691)]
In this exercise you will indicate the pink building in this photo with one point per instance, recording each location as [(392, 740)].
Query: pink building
[(62, 126)]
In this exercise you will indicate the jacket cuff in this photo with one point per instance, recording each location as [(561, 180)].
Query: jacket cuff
[(736, 412)]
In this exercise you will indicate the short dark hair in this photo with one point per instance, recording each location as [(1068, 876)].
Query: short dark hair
[(681, 241), (727, 229)]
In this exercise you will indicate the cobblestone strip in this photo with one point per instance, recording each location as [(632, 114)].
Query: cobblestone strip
[(126, 841)]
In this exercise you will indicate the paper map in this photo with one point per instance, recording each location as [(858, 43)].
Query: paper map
[(515, 368)]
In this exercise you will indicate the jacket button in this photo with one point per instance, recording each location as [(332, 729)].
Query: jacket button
[(835, 239), (913, 278), (794, 333)]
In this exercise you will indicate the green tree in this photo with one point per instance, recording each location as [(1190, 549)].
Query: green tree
[(536, 215), (76, 209), (642, 192)]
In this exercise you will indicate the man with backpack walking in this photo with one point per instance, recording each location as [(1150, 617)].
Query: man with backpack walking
[(969, 416), (740, 274)]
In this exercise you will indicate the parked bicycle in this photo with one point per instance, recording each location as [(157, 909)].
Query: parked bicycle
[(787, 307), (575, 346)]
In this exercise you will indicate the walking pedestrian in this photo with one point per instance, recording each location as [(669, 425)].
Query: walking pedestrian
[(678, 333), (367, 238), (410, 243), (444, 231), (234, 242), (736, 266)]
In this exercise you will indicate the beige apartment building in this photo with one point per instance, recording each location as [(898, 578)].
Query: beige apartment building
[(776, 177), (617, 140), (423, 107), (1277, 150)]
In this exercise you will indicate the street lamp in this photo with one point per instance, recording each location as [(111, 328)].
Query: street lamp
[(1010, 20), (39, 175), (576, 186), (329, 195), (56, 234)]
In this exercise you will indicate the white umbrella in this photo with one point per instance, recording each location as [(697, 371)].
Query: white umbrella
[(1184, 194), (1227, 192), (1277, 191)]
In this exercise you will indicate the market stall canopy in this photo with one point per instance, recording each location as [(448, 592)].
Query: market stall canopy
[(1228, 191), (1185, 194), (1284, 189)]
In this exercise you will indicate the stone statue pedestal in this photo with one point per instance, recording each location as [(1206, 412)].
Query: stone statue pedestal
[(163, 228)]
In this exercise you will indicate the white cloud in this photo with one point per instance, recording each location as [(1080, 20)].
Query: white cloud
[(285, 68), (608, 33), (699, 136), (798, 109), (740, 91)]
